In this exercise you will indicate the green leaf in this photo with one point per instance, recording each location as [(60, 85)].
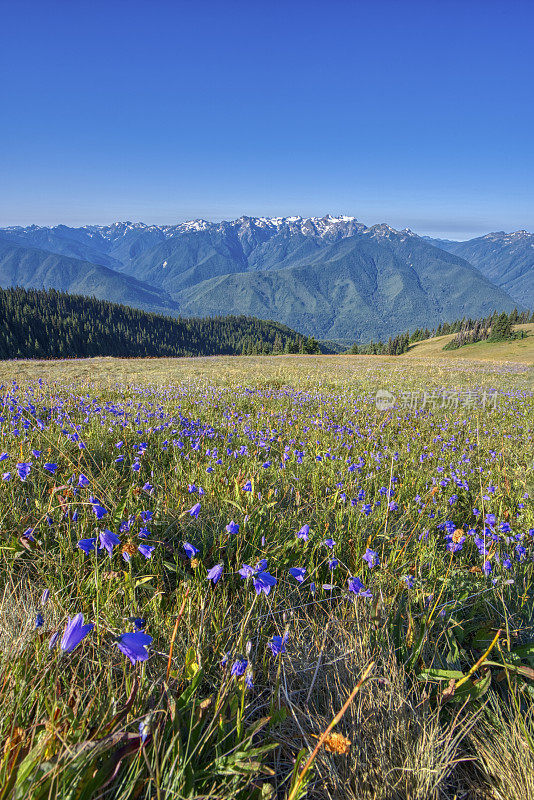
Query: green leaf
[(432, 674), (296, 772), (191, 666)]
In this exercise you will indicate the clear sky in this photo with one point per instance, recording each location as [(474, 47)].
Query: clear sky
[(419, 114)]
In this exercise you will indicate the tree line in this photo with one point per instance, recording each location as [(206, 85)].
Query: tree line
[(495, 327), (38, 323)]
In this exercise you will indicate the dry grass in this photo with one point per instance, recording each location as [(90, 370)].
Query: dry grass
[(402, 747), (17, 616), (505, 756), (516, 350)]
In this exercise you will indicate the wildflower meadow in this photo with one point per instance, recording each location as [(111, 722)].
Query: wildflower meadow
[(244, 578)]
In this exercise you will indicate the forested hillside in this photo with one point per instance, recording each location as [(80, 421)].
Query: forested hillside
[(52, 324)]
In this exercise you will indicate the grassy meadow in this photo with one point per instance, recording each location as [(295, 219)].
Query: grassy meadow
[(287, 591)]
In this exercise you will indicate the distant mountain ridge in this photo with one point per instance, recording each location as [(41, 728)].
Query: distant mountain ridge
[(332, 277), (507, 259)]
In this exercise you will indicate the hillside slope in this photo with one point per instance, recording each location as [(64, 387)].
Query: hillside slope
[(39, 269), (506, 259)]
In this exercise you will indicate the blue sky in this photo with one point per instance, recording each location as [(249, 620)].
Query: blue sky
[(419, 114)]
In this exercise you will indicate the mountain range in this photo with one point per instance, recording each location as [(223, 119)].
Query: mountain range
[(332, 277)]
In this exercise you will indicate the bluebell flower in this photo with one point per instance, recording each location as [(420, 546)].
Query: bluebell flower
[(329, 543), (520, 552), (83, 480), (371, 557), (304, 533), (87, 545), (144, 729), (134, 645), (194, 511), (74, 632), (277, 644), (23, 470), (215, 573), (44, 597), (263, 582), (190, 549), (50, 467), (246, 571), (108, 540), (357, 588), (232, 527), (39, 621), (247, 486), (98, 509), (146, 550), (299, 573), (238, 667)]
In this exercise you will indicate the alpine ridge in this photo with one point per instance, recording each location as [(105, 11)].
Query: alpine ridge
[(332, 277)]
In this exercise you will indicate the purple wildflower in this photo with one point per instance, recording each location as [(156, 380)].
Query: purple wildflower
[(238, 667), (215, 573), (299, 573), (190, 549), (98, 509), (277, 644), (371, 556), (263, 582), (108, 541), (134, 644), (232, 527), (87, 545), (24, 469), (74, 632), (304, 533)]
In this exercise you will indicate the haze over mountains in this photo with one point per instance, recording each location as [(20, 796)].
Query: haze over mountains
[(332, 277)]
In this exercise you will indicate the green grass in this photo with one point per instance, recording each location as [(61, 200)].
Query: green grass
[(447, 709)]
